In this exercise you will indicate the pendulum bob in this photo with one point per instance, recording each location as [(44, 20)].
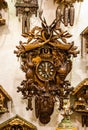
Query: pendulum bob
[(44, 107)]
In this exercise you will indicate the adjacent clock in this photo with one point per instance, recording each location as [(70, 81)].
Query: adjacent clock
[(45, 70)]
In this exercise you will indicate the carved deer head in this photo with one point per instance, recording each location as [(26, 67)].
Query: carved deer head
[(48, 29)]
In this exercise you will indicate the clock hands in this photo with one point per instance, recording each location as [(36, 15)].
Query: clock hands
[(46, 70)]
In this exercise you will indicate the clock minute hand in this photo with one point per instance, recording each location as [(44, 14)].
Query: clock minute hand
[(46, 67)]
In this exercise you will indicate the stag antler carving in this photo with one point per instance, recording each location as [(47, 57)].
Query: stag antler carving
[(40, 36)]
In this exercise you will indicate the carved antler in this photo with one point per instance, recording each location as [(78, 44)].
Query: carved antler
[(44, 24)]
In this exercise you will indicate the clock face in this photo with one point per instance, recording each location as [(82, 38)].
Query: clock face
[(45, 70)]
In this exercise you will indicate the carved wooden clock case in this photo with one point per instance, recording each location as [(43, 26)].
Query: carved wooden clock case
[(46, 61)]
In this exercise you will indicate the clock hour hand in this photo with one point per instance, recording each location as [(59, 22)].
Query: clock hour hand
[(46, 67)]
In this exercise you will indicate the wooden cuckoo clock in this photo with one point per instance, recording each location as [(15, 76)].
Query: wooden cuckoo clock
[(26, 8), (46, 61), (80, 101), (65, 12)]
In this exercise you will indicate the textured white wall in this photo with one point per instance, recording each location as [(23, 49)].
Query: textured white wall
[(10, 73)]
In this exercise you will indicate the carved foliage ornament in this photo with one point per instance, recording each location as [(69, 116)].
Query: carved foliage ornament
[(46, 61)]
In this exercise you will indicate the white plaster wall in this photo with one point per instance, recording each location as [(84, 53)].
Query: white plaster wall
[(10, 72)]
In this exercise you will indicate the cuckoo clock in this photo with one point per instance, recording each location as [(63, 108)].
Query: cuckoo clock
[(2, 21), (84, 46), (46, 61), (3, 5), (4, 98), (65, 12), (80, 102), (26, 8), (84, 42), (17, 123)]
